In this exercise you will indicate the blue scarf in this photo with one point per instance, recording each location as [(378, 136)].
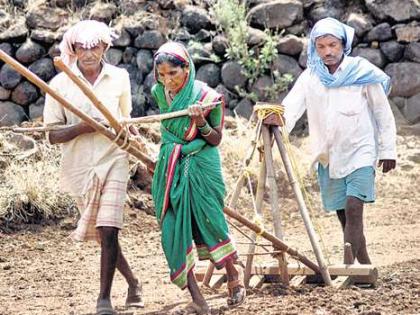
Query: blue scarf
[(359, 71)]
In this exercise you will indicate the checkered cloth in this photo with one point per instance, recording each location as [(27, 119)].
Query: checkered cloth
[(102, 205)]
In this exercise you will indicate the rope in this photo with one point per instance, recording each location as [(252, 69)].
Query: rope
[(126, 142), (265, 110)]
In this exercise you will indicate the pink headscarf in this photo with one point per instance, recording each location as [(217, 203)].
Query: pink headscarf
[(174, 49), (89, 33)]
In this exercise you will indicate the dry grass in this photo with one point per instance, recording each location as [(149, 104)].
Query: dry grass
[(29, 191), (237, 143)]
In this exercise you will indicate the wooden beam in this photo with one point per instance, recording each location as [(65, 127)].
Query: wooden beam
[(32, 77), (342, 282), (297, 281), (256, 282), (259, 198), (302, 206), (219, 282), (355, 271), (277, 243)]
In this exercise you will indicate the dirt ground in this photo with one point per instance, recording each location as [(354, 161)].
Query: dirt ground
[(43, 272)]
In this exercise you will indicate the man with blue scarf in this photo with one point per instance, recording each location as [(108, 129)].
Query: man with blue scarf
[(351, 126)]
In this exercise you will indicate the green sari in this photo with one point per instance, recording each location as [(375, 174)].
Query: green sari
[(188, 187)]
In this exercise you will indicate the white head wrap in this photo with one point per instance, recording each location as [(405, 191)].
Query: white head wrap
[(89, 33), (358, 71)]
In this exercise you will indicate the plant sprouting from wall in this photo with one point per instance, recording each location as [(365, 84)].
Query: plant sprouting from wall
[(257, 61)]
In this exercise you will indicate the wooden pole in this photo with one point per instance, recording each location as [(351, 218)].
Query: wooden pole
[(237, 190), (277, 243), (268, 155), (160, 117), (90, 121), (34, 129), (302, 208), (274, 200), (259, 198)]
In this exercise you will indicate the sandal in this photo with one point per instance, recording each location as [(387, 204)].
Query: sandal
[(134, 297), (237, 293), (104, 307)]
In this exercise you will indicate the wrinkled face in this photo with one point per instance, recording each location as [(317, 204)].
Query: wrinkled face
[(172, 77), (89, 59), (329, 49)]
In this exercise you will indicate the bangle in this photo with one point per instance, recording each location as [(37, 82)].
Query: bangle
[(205, 130)]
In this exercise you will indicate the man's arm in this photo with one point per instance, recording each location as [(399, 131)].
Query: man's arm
[(385, 122), (295, 103), (69, 133)]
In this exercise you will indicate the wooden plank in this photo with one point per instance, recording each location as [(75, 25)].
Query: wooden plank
[(336, 270), (342, 282), (297, 281), (208, 274), (218, 281), (294, 269), (359, 274), (256, 282)]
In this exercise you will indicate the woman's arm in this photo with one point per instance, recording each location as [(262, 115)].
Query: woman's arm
[(211, 128)]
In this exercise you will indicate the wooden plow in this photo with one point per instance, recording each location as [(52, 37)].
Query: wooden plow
[(289, 274)]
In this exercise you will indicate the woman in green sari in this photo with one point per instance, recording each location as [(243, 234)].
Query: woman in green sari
[(188, 187)]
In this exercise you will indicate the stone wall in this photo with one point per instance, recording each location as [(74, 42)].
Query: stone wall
[(387, 33)]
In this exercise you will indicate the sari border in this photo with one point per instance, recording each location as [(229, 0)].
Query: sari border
[(210, 253), (185, 269), (169, 177)]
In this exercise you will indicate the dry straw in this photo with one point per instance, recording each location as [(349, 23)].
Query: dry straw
[(29, 191)]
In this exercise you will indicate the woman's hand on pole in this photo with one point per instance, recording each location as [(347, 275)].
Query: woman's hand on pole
[(197, 115)]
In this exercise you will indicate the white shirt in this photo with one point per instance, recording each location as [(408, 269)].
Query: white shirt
[(92, 153), (349, 127)]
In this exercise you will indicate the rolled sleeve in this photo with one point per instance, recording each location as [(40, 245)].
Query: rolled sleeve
[(53, 112), (294, 103), (125, 100)]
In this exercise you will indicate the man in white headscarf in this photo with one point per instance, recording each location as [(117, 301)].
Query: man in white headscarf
[(351, 126), (93, 169)]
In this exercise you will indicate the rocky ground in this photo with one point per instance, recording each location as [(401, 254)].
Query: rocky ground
[(43, 272)]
